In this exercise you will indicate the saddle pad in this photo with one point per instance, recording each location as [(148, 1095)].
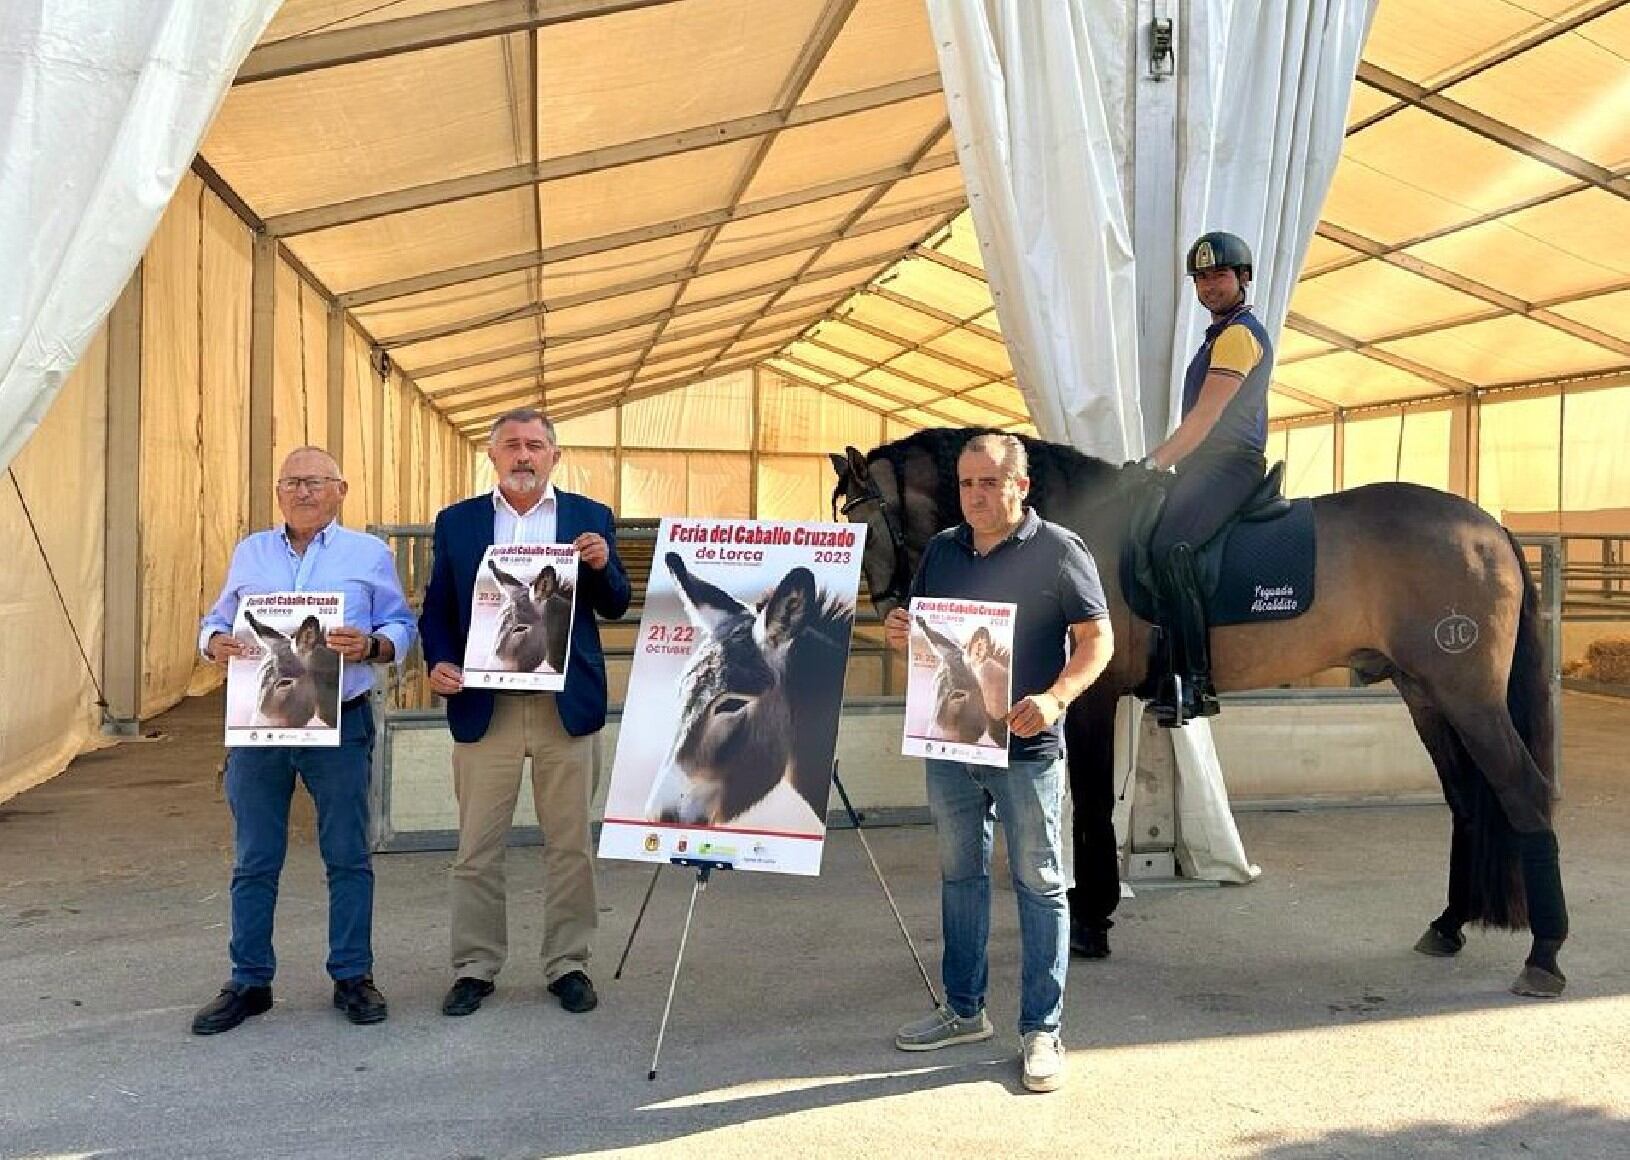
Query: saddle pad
[(1267, 570), (1264, 571)]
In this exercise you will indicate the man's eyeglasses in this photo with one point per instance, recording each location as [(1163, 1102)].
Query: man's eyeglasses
[(306, 482)]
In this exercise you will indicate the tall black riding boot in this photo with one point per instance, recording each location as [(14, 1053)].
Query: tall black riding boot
[(1168, 692), (1199, 697)]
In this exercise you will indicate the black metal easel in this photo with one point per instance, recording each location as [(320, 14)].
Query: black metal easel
[(704, 870)]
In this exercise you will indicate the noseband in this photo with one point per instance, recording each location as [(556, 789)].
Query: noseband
[(899, 586)]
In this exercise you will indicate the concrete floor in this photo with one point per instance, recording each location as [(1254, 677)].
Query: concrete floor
[(1286, 1019)]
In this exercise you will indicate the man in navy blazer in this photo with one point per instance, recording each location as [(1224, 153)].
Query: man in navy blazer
[(494, 733)]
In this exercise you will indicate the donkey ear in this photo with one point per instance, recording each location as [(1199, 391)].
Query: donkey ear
[(789, 607), (840, 465), (710, 608), (545, 583), (504, 578), (310, 632)]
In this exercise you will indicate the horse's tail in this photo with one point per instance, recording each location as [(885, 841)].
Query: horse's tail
[(1528, 689), (1493, 868)]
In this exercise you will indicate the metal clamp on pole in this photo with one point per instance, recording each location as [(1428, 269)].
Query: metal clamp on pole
[(1162, 60)]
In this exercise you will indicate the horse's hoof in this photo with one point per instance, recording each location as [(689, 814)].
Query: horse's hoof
[(1439, 945), (1538, 983)]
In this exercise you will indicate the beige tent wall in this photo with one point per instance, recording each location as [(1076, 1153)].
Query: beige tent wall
[(747, 444), (359, 459), (195, 327), (1595, 437), (1548, 451), (426, 462), (49, 712), (225, 259)]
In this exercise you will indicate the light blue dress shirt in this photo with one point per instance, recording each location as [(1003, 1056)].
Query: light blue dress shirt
[(337, 560)]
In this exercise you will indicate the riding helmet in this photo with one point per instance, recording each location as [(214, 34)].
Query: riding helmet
[(1218, 249)]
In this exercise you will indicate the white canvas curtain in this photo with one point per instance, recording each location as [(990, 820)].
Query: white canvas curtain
[(1263, 112), (1035, 90), (102, 107), (1040, 95)]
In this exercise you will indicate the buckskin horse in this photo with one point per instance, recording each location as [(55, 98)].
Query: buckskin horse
[(1414, 585)]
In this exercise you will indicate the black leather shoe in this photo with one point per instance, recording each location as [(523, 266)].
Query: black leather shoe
[(360, 1000), (575, 992), (1089, 942), (235, 1003), (465, 995)]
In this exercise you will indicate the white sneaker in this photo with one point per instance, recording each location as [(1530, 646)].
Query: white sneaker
[(1043, 1061)]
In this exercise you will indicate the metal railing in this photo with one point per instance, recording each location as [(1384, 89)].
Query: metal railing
[(1595, 577)]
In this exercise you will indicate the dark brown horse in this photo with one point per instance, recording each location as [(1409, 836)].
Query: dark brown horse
[(1398, 566)]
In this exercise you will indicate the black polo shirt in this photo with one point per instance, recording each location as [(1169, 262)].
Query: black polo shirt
[(1047, 571)]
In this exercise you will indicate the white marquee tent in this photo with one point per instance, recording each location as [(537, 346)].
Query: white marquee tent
[(716, 239)]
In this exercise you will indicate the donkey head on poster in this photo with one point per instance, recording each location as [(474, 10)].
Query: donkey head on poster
[(751, 699), (299, 675), (536, 622)]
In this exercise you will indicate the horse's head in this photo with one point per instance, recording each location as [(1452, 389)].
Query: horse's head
[(735, 737), (868, 493)]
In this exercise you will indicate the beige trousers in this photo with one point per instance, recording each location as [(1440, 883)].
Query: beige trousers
[(487, 782)]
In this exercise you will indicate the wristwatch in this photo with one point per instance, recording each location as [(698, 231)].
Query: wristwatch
[(373, 649)]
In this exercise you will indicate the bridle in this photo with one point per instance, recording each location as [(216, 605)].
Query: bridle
[(899, 586)]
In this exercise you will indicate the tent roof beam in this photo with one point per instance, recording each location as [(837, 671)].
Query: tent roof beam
[(1369, 350), (436, 193), (531, 309), (294, 55), (605, 243)]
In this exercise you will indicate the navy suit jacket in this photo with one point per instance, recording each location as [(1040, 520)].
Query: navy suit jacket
[(463, 534)]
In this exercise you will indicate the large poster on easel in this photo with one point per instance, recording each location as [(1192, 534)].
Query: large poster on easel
[(725, 753)]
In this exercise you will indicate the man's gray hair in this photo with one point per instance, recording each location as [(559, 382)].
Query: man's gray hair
[(1005, 449), (523, 415)]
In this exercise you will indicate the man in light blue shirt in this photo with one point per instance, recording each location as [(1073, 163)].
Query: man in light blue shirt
[(308, 552)]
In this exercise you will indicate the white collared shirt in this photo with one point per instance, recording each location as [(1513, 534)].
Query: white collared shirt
[(535, 526)]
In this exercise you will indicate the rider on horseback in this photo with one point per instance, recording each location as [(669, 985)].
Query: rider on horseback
[(1218, 453)]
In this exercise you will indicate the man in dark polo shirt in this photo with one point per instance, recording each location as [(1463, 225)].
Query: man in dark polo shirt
[(1005, 552)]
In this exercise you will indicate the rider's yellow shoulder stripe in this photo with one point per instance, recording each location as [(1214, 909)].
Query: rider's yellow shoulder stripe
[(1237, 350)]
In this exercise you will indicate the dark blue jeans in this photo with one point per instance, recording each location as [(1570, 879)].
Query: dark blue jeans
[(1028, 797), (259, 788)]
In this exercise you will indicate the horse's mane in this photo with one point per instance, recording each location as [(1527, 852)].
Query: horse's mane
[(1055, 468)]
